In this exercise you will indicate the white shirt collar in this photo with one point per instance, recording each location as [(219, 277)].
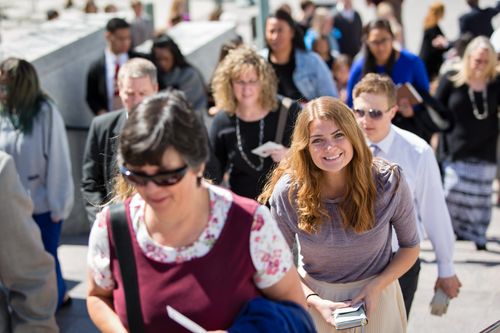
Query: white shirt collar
[(386, 143)]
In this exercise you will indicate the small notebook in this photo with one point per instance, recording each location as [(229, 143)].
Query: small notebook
[(439, 303), (407, 90), (352, 316)]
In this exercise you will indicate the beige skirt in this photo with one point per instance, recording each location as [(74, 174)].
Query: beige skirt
[(389, 315)]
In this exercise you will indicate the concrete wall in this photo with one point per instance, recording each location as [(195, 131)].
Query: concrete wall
[(62, 52)]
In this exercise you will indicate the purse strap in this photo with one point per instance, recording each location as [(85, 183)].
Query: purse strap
[(125, 254), (286, 103)]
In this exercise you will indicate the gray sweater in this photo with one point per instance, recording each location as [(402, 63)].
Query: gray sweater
[(337, 255), (42, 160)]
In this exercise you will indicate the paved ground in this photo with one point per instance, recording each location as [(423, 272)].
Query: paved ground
[(476, 308)]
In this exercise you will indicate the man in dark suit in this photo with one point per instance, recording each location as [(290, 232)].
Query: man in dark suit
[(102, 93), (478, 21), (137, 79)]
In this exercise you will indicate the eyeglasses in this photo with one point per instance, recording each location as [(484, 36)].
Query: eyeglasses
[(372, 113), (246, 83), (378, 42), (165, 178)]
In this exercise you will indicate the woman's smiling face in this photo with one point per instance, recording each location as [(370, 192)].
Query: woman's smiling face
[(330, 149)]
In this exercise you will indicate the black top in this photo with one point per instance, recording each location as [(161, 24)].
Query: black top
[(478, 21), (243, 179), (470, 137), (431, 56), (352, 32), (284, 72)]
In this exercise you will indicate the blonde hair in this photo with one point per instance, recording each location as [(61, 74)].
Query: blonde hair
[(237, 62), (464, 73), (320, 16), (434, 14), (378, 85), (357, 206)]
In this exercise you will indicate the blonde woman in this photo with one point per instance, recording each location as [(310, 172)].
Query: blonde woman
[(322, 25), (468, 151), (341, 204), (244, 87)]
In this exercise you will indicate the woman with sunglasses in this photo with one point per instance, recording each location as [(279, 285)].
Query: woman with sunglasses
[(340, 204), (302, 75), (244, 86), (198, 248), (32, 131), (380, 56), (468, 151)]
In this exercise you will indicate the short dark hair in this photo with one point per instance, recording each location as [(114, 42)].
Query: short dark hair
[(159, 122), (116, 23)]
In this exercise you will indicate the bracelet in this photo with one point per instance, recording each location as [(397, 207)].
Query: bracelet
[(313, 294)]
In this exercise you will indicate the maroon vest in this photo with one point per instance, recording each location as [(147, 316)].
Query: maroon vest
[(210, 290)]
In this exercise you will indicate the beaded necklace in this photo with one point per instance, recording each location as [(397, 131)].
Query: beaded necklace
[(475, 110), (240, 145)]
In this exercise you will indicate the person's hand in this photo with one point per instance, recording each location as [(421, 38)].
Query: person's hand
[(278, 154), (450, 285), (326, 307), (405, 108), (368, 295), (440, 42), (213, 111)]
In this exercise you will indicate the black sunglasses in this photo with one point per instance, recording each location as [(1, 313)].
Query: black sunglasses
[(165, 178), (372, 113)]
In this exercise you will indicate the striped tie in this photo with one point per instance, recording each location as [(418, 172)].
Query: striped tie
[(375, 150)]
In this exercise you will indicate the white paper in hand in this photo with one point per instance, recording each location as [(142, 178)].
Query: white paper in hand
[(265, 149), (184, 321)]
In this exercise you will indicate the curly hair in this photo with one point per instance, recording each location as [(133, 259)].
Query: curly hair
[(357, 206), (237, 62)]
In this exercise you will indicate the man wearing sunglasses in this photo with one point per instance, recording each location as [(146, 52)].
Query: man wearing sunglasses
[(136, 80), (374, 106)]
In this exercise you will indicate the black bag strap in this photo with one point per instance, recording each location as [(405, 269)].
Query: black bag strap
[(125, 254), (285, 105)]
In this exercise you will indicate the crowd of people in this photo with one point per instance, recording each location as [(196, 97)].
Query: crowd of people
[(309, 192)]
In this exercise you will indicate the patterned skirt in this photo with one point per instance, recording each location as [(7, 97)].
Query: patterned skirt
[(468, 187)]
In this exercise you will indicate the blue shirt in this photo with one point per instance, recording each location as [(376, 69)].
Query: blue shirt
[(408, 68)]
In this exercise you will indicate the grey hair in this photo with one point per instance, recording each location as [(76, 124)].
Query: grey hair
[(137, 68)]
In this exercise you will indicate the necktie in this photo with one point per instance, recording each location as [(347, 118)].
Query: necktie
[(375, 150), (117, 102)]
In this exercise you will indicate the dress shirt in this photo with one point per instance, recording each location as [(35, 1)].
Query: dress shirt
[(419, 165), (111, 60)]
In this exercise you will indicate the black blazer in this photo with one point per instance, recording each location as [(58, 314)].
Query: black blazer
[(97, 93), (478, 21), (99, 160)]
